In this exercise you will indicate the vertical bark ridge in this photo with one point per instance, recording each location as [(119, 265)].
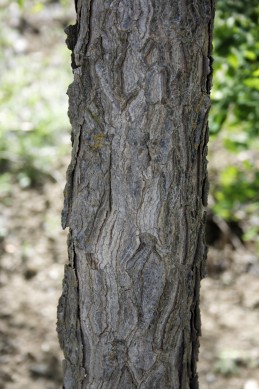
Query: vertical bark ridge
[(136, 193)]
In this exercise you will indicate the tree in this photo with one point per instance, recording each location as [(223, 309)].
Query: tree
[(136, 193)]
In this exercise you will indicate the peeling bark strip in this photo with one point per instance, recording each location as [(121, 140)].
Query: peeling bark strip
[(136, 193)]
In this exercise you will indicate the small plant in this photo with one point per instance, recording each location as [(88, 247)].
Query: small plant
[(33, 127), (227, 363)]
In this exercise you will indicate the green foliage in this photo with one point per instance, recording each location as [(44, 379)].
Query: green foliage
[(20, 3), (32, 118), (37, 5), (236, 75), (235, 189), (33, 122), (235, 95)]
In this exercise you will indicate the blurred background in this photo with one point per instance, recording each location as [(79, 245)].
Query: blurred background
[(34, 153)]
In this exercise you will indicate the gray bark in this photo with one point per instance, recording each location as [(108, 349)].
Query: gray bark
[(136, 193)]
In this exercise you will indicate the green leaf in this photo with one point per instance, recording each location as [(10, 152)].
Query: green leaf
[(20, 3), (250, 55), (252, 83), (228, 176)]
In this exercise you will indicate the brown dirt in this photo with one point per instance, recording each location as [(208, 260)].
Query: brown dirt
[(32, 257)]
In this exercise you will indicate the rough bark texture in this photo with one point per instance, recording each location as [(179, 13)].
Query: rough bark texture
[(136, 193)]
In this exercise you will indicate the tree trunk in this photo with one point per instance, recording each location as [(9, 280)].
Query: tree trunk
[(136, 193)]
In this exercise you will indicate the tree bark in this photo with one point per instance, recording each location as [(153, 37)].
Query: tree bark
[(136, 193)]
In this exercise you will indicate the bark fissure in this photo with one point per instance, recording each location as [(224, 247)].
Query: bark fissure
[(82, 362), (136, 193)]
